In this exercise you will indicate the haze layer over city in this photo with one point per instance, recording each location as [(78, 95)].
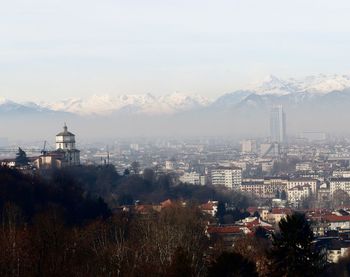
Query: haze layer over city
[(146, 68)]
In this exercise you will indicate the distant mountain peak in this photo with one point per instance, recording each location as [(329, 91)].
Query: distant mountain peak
[(271, 89), (272, 85), (314, 84), (139, 103), (4, 101)]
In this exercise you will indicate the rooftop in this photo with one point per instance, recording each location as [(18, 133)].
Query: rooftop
[(65, 132)]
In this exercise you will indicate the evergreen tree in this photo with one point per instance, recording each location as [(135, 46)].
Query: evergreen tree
[(21, 157), (221, 211), (232, 264), (292, 252)]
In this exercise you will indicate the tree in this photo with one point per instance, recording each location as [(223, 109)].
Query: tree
[(340, 198), (180, 264), (148, 175), (256, 214), (125, 199), (292, 252), (255, 249), (135, 167), (261, 232), (283, 195), (126, 172), (221, 211), (21, 157), (232, 264)]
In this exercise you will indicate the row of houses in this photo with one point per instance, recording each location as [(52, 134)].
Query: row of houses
[(295, 190)]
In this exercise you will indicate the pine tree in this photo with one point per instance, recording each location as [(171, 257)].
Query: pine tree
[(293, 253)]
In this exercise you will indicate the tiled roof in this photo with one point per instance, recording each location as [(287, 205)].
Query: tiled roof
[(336, 218), (207, 206), (225, 230), (281, 211)]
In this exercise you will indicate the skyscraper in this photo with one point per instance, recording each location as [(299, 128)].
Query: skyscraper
[(277, 124)]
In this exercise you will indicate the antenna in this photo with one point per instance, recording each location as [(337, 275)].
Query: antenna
[(107, 155), (44, 149)]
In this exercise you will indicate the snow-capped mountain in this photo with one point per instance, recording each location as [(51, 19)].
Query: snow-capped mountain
[(317, 84), (322, 84), (272, 85), (145, 103), (10, 107), (272, 90), (318, 102)]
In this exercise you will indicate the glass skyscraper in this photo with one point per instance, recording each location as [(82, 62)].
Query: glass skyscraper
[(277, 124)]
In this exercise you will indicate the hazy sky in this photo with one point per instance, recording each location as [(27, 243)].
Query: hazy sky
[(54, 49)]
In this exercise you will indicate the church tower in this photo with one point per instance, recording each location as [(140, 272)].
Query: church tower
[(65, 143), (65, 140)]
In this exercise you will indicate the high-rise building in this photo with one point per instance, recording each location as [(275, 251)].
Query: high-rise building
[(248, 146), (277, 124), (230, 177)]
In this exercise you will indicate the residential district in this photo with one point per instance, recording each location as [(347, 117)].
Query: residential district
[(308, 172)]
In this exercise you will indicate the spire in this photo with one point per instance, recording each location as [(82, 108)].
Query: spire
[(65, 128)]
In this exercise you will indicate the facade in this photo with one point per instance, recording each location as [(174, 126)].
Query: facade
[(323, 193), (297, 194), (211, 207), (277, 124), (337, 252), (248, 146), (265, 188), (303, 166), (274, 185), (193, 178), (312, 183), (341, 173), (169, 165), (277, 214), (65, 143), (230, 177), (255, 188), (50, 160), (266, 166), (336, 183)]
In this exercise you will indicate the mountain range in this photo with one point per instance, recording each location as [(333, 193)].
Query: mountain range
[(319, 102), (294, 91)]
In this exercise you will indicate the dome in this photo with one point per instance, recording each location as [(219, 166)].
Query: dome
[(65, 132)]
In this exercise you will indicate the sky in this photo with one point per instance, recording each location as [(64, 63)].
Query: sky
[(57, 49)]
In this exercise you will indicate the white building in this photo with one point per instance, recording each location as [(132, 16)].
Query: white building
[(169, 165), (300, 182), (248, 146), (230, 177), (193, 178), (266, 166), (303, 166), (341, 173), (314, 136), (336, 183), (337, 252), (297, 194)]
